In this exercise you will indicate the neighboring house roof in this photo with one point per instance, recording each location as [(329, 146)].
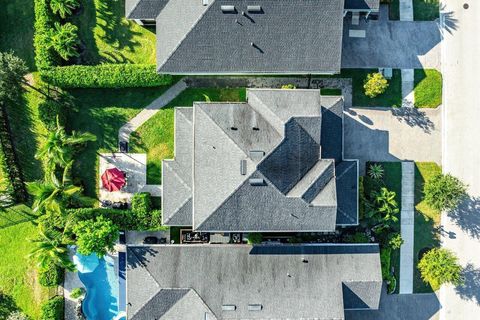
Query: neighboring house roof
[(144, 9), (279, 140), (291, 36), (284, 281), (373, 5)]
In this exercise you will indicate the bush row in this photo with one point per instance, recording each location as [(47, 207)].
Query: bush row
[(45, 57), (9, 159), (51, 275), (105, 76), (53, 309)]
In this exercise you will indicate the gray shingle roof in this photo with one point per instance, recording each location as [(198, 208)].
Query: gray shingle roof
[(143, 9), (301, 36), (277, 139), (329, 278), (362, 5)]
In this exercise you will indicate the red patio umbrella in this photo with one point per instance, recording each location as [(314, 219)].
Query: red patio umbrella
[(113, 179)]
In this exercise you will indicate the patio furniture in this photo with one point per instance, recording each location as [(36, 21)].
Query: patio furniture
[(123, 146), (113, 179)]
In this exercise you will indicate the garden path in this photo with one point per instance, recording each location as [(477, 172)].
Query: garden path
[(406, 10), (408, 96), (407, 227), (134, 123)]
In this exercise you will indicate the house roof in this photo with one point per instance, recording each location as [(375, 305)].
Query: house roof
[(276, 139), (287, 36), (144, 9), (287, 281)]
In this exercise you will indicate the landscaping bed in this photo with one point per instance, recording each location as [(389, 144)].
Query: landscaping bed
[(156, 136), (426, 10), (391, 98), (426, 222), (428, 88)]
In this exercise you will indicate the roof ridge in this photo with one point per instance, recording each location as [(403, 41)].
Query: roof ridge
[(189, 290), (347, 169), (183, 116), (185, 36), (134, 7)]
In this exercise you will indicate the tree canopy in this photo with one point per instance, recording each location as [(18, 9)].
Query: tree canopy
[(439, 266), (95, 236), (444, 192)]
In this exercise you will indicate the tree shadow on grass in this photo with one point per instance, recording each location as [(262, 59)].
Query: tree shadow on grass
[(470, 290), (467, 216), (117, 30), (7, 305)]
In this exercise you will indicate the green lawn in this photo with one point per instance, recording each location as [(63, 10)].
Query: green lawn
[(392, 179), (102, 112), (109, 37), (394, 10), (426, 10), (330, 92), (428, 88), (427, 220), (155, 137), (16, 29), (391, 97), (17, 273)]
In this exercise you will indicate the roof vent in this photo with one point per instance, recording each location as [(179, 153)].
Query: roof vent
[(205, 2), (229, 307), (255, 128), (234, 128), (254, 9), (254, 307), (256, 182), (243, 167), (228, 9)]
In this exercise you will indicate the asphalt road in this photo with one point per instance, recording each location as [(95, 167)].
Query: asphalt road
[(461, 150)]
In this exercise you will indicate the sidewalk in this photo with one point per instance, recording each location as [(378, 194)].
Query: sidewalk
[(407, 227), (406, 10)]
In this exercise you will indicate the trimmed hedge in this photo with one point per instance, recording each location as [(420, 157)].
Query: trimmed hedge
[(105, 76), (53, 309), (45, 56), (50, 276), (9, 159), (48, 111)]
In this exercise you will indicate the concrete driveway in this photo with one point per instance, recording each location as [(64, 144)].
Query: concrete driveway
[(394, 44), (392, 134)]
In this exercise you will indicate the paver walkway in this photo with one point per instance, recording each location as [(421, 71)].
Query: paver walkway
[(408, 96), (407, 227), (134, 123), (406, 10)]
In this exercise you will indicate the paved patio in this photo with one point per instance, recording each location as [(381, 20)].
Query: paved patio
[(137, 237), (135, 167), (392, 44), (392, 134)]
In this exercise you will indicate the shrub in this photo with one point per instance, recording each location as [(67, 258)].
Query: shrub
[(45, 56), (7, 305), (376, 171), (95, 236), (145, 217), (395, 241), (105, 76), (361, 198), (63, 7), (64, 40), (77, 293), (53, 309), (289, 86), (50, 276), (48, 111), (124, 219), (358, 237), (444, 192), (439, 266), (254, 237), (375, 85), (17, 315)]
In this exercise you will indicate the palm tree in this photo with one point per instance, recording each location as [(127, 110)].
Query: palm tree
[(386, 205), (50, 250), (63, 7), (65, 39), (59, 146), (52, 194)]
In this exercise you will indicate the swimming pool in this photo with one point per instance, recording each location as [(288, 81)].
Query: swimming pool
[(101, 299)]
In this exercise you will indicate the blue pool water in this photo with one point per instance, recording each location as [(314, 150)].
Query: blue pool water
[(101, 299)]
